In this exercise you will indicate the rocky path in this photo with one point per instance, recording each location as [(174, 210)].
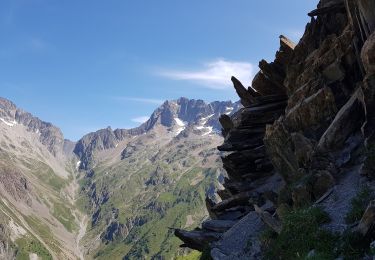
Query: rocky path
[(81, 233)]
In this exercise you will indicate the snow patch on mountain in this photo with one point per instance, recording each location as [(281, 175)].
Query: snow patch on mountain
[(11, 124), (228, 110), (181, 125), (179, 122), (209, 130)]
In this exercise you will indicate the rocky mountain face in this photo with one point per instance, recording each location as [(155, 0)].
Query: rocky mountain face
[(175, 115), (38, 217), (114, 193), (49, 135), (300, 153), (137, 183)]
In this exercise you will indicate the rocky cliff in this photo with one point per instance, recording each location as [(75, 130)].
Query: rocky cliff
[(300, 154)]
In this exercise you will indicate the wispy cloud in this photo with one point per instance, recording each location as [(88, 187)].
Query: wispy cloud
[(37, 44), (214, 74), (140, 119), (140, 100)]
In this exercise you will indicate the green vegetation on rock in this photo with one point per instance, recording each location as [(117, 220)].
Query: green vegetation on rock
[(301, 233), (27, 245), (358, 205)]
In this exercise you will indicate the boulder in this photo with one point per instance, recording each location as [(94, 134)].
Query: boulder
[(349, 119)]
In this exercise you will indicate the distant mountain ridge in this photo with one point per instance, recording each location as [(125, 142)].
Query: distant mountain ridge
[(176, 115), (50, 135), (51, 185)]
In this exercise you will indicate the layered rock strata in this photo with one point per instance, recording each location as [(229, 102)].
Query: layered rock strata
[(308, 116)]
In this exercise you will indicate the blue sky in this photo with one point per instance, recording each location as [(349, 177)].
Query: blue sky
[(88, 64)]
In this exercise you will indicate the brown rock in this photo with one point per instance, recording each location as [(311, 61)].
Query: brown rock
[(323, 182), (280, 150), (303, 149), (367, 222), (270, 221), (301, 196), (265, 86), (367, 8), (314, 110), (240, 199), (246, 98), (197, 239), (334, 72), (368, 55), (349, 119), (226, 123), (218, 225)]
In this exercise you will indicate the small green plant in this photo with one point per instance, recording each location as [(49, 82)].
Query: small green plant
[(358, 205), (301, 233), (193, 255), (27, 245), (206, 254)]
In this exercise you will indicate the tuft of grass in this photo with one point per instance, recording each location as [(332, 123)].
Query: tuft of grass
[(301, 233), (27, 245), (64, 215), (359, 205), (206, 254), (193, 255)]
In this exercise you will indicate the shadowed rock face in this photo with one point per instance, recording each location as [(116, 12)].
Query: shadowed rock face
[(305, 119)]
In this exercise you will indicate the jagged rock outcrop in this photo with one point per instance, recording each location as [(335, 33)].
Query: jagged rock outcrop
[(307, 117), (251, 176), (49, 135), (178, 113), (15, 184)]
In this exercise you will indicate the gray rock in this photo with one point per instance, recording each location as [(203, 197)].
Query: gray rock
[(241, 241)]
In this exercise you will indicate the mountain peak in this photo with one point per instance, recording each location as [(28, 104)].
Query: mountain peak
[(173, 115), (49, 135)]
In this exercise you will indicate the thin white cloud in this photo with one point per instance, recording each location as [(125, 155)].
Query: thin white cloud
[(140, 119), (141, 100), (37, 44), (214, 74)]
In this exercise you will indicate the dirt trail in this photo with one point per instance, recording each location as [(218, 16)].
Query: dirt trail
[(81, 219), (81, 233)]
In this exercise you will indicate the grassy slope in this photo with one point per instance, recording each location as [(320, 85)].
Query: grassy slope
[(180, 192), (47, 188)]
